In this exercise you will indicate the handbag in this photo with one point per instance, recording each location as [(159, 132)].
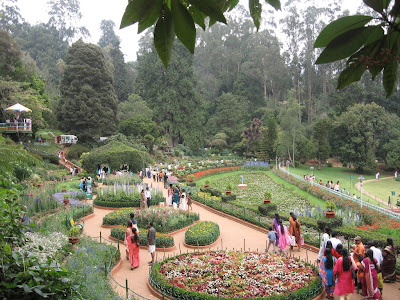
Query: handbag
[(293, 241), (301, 240)]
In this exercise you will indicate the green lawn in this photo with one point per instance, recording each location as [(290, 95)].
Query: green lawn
[(338, 174), (383, 189), (220, 181)]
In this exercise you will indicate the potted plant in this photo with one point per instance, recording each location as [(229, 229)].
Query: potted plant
[(330, 206), (190, 178), (73, 234), (66, 199), (267, 197), (207, 184), (228, 189)]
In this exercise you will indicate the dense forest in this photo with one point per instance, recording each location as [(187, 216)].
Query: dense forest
[(253, 93)]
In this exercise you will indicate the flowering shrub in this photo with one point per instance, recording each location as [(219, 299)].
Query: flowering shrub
[(208, 172), (164, 219), (202, 234), (256, 165), (227, 274), (162, 239), (122, 179), (74, 197), (45, 245)]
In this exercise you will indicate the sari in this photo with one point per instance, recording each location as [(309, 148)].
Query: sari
[(325, 238), (128, 234), (284, 239), (370, 279), (388, 265), (133, 252), (277, 229), (327, 276), (345, 283), (294, 231)]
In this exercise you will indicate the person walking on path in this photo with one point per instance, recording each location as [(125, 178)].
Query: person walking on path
[(342, 271), (170, 194), (151, 241), (143, 200), (133, 243), (370, 281), (189, 201), (326, 272), (284, 237), (276, 227), (182, 204), (294, 230), (271, 239), (148, 196), (325, 238), (128, 234), (389, 262)]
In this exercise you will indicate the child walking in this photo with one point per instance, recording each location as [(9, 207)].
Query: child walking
[(271, 239)]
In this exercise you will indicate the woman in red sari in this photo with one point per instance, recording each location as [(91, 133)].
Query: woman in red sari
[(134, 247), (370, 280), (128, 233)]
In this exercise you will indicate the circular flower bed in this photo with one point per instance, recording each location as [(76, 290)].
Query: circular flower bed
[(162, 240), (227, 274), (164, 219), (202, 234)]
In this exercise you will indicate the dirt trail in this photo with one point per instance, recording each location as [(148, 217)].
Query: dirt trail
[(233, 236)]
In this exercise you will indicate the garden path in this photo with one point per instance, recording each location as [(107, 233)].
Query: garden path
[(232, 236)]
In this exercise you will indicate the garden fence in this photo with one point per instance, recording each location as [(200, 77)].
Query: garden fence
[(387, 212), (129, 293)]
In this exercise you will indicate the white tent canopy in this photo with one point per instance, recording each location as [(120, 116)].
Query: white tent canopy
[(18, 107)]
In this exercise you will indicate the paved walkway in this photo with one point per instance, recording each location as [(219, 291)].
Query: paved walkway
[(233, 236)]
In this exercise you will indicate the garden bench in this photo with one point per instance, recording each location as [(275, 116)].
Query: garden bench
[(70, 222)]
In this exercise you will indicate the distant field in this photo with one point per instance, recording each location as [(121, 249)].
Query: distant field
[(383, 188)]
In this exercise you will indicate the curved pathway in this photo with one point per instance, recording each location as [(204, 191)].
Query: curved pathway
[(233, 236)]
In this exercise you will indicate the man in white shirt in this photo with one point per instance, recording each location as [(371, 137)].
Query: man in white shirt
[(147, 194), (377, 252), (334, 240)]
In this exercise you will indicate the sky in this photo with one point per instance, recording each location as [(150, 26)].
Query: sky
[(93, 11)]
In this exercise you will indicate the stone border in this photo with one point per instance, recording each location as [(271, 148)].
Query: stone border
[(248, 224), (116, 267), (109, 226), (88, 217), (203, 247), (170, 249)]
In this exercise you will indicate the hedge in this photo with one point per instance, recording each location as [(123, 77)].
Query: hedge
[(126, 200), (267, 209), (202, 234), (332, 223), (226, 198), (162, 240)]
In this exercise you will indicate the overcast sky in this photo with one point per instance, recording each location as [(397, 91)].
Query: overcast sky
[(93, 11)]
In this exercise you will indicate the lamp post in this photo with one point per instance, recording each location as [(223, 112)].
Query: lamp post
[(361, 180), (312, 175)]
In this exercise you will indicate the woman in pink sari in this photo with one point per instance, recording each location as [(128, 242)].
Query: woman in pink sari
[(345, 284), (284, 237), (133, 244), (370, 280), (128, 233)]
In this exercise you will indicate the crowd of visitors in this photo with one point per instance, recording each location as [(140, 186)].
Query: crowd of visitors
[(364, 269)]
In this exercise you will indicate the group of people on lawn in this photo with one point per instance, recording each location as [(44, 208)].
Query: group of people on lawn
[(132, 242), (367, 267)]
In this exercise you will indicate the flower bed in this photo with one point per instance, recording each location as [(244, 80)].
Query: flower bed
[(164, 219), (253, 196), (162, 240), (208, 172), (202, 234), (74, 199), (235, 275), (125, 196), (122, 179)]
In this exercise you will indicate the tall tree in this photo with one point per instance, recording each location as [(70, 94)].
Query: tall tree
[(321, 135), (252, 135), (108, 35), (64, 16), (10, 17), (171, 95), (88, 104)]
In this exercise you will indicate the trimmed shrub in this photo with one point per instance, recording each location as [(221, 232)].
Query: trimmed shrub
[(226, 198), (162, 239), (202, 234), (164, 219), (191, 183), (265, 209), (75, 151), (330, 222)]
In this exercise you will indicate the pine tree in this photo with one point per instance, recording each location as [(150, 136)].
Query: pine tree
[(88, 104)]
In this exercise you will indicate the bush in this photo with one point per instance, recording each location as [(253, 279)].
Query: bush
[(191, 183), (202, 234), (330, 222), (329, 164), (122, 179), (75, 151), (162, 239), (267, 209), (226, 198), (164, 219)]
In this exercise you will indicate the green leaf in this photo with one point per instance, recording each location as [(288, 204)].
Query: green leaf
[(198, 17), (274, 3), (151, 18), (338, 27), (351, 74), (395, 9), (164, 35), (377, 33), (184, 25), (136, 11), (233, 4), (390, 76), (376, 5), (210, 8), (344, 45), (255, 12)]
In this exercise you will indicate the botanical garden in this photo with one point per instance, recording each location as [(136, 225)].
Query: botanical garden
[(236, 150)]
